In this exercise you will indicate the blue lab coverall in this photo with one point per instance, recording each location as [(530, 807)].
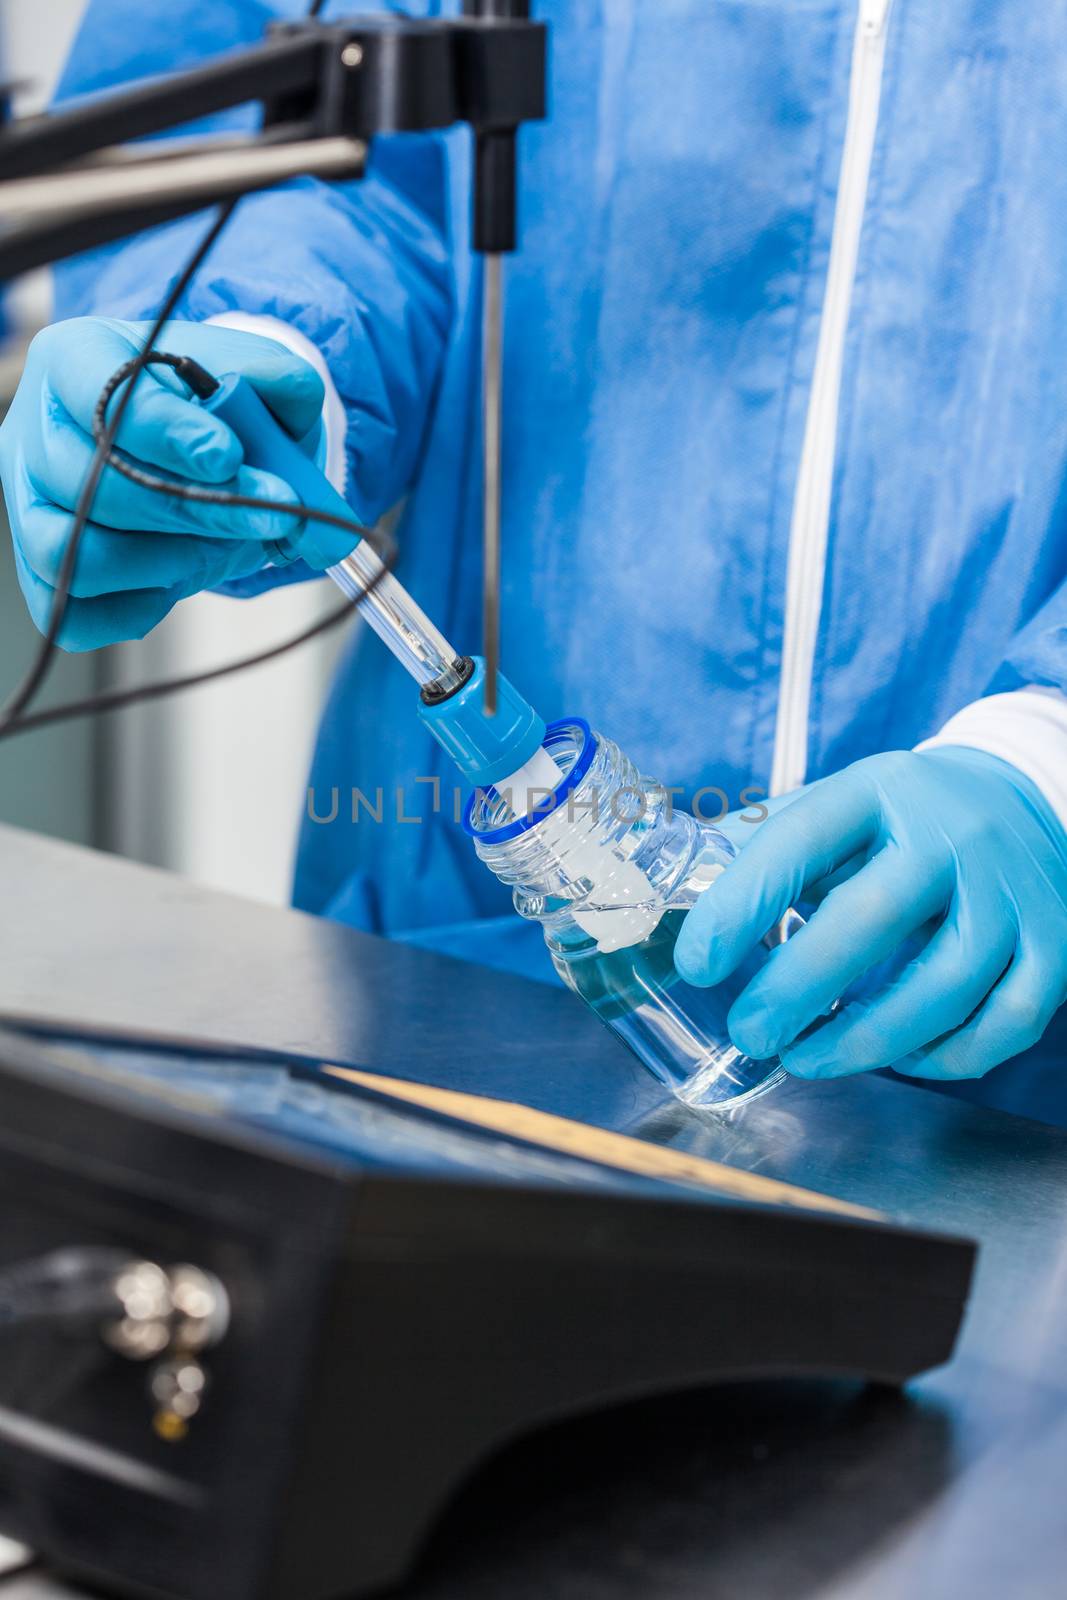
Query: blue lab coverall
[(663, 318)]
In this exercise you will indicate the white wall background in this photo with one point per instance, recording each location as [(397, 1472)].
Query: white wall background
[(210, 783), (36, 36)]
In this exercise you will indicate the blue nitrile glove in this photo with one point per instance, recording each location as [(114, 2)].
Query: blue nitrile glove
[(949, 844), (742, 825), (142, 551)]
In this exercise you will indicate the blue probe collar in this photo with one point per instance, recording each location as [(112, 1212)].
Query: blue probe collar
[(544, 808), (486, 748)]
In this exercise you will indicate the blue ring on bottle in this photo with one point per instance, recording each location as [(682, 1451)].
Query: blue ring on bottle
[(544, 808)]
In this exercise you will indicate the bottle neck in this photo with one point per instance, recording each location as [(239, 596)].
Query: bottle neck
[(604, 859)]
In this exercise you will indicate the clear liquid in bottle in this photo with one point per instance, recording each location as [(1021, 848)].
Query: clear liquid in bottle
[(610, 871)]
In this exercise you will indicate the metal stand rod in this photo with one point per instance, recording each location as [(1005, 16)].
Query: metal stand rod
[(492, 398)]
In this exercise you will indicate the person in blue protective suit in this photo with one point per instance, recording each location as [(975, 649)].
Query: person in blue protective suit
[(786, 448)]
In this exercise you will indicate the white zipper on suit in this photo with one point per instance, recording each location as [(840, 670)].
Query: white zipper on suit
[(806, 568)]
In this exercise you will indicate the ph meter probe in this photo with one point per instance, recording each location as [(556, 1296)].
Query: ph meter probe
[(499, 749)]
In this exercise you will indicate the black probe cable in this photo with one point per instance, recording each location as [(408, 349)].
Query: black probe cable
[(202, 384), (12, 714), (26, 690), (13, 718)]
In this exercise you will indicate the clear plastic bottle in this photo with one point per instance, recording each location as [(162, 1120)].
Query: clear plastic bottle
[(609, 868)]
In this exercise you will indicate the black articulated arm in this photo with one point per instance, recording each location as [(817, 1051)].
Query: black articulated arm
[(71, 179)]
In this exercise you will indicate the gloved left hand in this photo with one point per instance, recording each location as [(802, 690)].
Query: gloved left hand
[(142, 551), (950, 844)]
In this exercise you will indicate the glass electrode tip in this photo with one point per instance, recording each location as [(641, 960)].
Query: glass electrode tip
[(499, 746), (385, 604)]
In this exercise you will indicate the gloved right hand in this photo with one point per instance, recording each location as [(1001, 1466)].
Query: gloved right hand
[(142, 551)]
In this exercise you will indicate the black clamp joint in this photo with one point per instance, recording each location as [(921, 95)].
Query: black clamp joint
[(395, 74)]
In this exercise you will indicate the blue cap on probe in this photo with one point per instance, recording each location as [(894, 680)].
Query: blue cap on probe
[(486, 749)]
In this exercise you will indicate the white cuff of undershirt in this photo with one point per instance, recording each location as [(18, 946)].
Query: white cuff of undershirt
[(334, 421), (1027, 727)]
